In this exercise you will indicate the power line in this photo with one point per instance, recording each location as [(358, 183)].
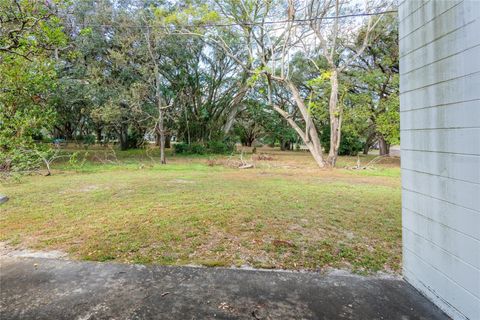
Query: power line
[(252, 24), (365, 14)]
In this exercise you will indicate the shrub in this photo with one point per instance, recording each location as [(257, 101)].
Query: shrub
[(350, 143), (185, 148), (220, 147), (89, 139), (197, 148), (134, 139), (217, 147), (180, 147)]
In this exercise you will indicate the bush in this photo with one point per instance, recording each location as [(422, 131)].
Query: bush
[(220, 147), (180, 148), (134, 139), (217, 147), (197, 148), (350, 143), (90, 139), (185, 148)]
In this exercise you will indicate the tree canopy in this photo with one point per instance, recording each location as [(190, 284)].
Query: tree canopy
[(317, 73)]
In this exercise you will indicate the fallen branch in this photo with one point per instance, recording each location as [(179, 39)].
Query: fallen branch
[(369, 165)]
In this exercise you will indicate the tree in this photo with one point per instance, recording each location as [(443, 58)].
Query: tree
[(110, 71), (131, 70), (29, 33), (375, 79), (153, 34), (338, 35), (127, 75), (264, 55), (268, 46)]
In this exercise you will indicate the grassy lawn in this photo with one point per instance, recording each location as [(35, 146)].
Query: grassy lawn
[(284, 213)]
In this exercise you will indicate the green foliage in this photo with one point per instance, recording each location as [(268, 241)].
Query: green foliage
[(388, 122), (320, 80), (93, 73), (27, 75), (259, 123), (257, 75), (77, 160), (30, 27), (197, 148), (185, 148), (375, 82), (220, 147), (86, 140), (350, 143), (211, 147)]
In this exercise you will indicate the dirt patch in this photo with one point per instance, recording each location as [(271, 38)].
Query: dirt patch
[(8, 251), (183, 181)]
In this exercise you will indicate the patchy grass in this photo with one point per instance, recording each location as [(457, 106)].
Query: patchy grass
[(284, 213)]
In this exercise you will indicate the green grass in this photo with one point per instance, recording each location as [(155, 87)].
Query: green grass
[(284, 213)]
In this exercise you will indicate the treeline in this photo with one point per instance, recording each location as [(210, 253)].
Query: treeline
[(203, 73)]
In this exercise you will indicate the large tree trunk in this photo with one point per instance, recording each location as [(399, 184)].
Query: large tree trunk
[(285, 145), (247, 142), (167, 141), (384, 146), (123, 137), (235, 106), (98, 131), (366, 148), (335, 120)]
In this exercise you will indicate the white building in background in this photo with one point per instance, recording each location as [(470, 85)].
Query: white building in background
[(440, 134)]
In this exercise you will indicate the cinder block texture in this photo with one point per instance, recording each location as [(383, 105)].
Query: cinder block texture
[(440, 142)]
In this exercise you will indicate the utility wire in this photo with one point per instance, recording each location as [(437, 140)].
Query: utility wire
[(353, 15), (252, 24)]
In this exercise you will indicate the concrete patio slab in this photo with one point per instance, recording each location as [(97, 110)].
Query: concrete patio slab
[(37, 288)]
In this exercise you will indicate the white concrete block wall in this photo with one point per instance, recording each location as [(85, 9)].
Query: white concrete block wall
[(440, 142)]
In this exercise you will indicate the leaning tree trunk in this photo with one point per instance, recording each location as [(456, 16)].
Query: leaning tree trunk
[(310, 135), (235, 105), (368, 143), (335, 120), (236, 108)]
